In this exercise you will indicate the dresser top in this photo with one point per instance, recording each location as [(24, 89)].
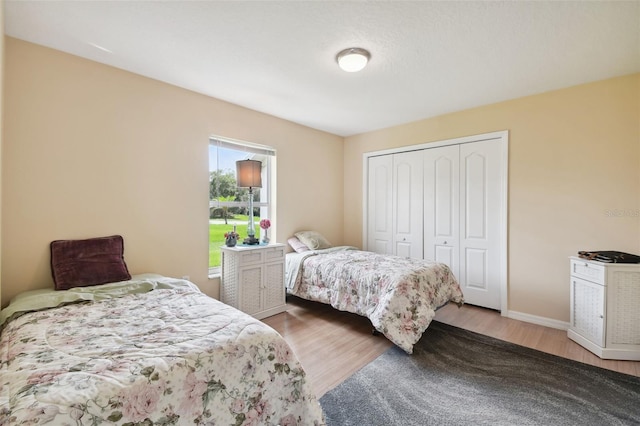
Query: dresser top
[(596, 262), (244, 247)]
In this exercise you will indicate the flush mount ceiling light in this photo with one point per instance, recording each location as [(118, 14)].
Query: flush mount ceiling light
[(353, 59)]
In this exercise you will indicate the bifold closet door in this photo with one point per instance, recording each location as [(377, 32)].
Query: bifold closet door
[(408, 205), (395, 206), (462, 216), (379, 205), (442, 205), (445, 203), (480, 206)]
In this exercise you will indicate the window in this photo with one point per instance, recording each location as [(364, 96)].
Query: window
[(228, 204)]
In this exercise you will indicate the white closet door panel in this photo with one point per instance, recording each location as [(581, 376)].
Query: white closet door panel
[(476, 273), (475, 201), (382, 199), (448, 255), (441, 205), (404, 249), (380, 246), (408, 204), (379, 211), (480, 180), (404, 201)]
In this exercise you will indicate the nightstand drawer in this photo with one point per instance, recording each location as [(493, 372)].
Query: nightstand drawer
[(588, 271), (251, 256), (273, 254)]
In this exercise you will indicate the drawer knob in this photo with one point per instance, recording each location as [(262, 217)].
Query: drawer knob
[(445, 242)]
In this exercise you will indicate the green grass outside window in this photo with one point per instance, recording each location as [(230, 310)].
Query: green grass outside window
[(216, 236)]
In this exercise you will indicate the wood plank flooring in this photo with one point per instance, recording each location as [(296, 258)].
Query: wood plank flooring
[(332, 345)]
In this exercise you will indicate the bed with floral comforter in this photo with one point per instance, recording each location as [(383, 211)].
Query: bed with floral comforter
[(399, 295), (149, 351)]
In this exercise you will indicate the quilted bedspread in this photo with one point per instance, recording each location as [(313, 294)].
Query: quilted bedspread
[(171, 355), (398, 295)]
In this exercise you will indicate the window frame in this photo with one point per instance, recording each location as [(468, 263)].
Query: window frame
[(267, 156)]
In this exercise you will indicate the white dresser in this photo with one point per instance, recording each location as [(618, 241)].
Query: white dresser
[(605, 308), (253, 279)]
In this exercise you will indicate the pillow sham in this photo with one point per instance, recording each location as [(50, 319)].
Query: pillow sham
[(312, 239), (93, 261), (297, 245)]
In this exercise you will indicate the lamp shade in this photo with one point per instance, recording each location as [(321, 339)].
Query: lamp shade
[(249, 173)]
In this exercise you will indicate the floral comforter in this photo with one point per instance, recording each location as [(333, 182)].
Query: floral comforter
[(163, 355), (398, 295)]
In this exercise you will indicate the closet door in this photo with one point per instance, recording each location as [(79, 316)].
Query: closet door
[(379, 206), (445, 202), (442, 206), (408, 204), (480, 184)]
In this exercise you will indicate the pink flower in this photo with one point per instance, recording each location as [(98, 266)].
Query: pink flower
[(140, 401), (288, 420), (252, 418), (237, 406), (236, 352), (283, 353), (406, 323), (194, 388), (36, 414), (265, 224), (76, 412), (46, 376)]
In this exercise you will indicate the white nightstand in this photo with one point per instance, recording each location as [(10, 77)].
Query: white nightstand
[(253, 279)]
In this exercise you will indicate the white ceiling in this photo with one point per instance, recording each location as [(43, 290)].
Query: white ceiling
[(428, 58)]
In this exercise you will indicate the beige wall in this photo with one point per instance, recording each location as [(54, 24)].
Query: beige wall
[(574, 180), (90, 150)]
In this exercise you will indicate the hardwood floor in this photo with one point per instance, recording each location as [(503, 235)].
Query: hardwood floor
[(332, 345)]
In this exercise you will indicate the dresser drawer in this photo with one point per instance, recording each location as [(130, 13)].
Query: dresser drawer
[(588, 271)]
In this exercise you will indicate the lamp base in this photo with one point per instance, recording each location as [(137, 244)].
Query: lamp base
[(250, 240)]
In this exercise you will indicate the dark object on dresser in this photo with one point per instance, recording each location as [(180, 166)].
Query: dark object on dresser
[(609, 256)]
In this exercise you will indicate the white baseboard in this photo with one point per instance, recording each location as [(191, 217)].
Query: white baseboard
[(533, 319)]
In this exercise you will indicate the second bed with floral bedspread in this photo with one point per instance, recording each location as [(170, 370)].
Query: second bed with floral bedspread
[(398, 295)]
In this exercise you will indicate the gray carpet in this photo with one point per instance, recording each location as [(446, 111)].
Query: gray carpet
[(457, 377)]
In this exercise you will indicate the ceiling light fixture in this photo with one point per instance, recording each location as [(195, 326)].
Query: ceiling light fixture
[(353, 59)]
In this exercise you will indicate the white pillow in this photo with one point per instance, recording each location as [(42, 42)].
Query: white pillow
[(312, 239)]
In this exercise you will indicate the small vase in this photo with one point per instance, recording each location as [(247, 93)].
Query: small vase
[(265, 239), (231, 241)]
